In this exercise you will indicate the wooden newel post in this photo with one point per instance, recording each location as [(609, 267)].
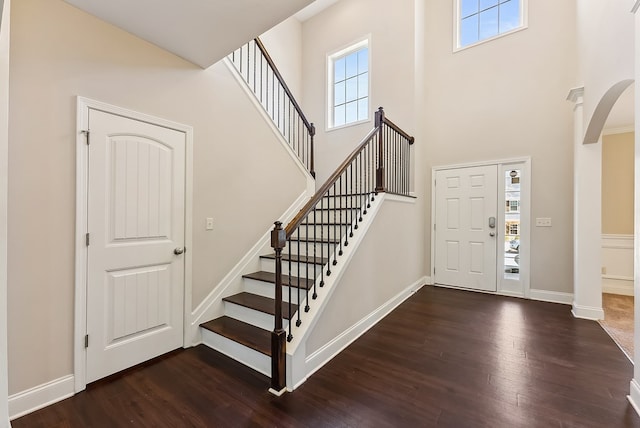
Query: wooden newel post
[(278, 336), (380, 167), (312, 166)]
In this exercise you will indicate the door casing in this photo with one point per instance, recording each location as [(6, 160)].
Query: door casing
[(80, 322), (504, 287)]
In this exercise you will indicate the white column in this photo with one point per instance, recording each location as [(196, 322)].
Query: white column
[(4, 144), (634, 394), (587, 219)]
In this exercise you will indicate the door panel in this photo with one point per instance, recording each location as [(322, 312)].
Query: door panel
[(465, 250), (135, 219)]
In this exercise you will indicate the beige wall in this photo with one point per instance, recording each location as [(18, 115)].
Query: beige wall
[(59, 52), (617, 183), (386, 263), (505, 99), (4, 133), (391, 75), (284, 44), (606, 48)]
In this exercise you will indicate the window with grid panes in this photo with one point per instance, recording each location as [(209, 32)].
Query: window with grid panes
[(349, 86)]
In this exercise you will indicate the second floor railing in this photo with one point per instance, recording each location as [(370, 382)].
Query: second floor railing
[(260, 73)]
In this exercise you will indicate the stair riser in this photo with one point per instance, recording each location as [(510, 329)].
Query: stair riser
[(247, 356), (267, 289), (269, 265), (251, 316)]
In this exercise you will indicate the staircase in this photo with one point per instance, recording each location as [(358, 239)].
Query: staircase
[(249, 316), (264, 324)]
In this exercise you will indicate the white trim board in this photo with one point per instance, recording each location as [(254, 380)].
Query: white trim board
[(634, 395), (623, 287), (80, 323), (551, 296), (326, 353), (617, 264), (41, 396)]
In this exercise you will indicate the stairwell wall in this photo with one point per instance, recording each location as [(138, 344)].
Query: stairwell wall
[(505, 99), (391, 259), (59, 52), (392, 56)]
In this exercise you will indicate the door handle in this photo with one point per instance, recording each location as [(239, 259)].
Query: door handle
[(492, 234), (492, 223), (178, 251)]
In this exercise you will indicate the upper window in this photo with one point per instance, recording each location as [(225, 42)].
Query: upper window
[(480, 20), (349, 85)]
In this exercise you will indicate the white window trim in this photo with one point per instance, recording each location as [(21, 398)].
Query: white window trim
[(524, 17), (357, 44)]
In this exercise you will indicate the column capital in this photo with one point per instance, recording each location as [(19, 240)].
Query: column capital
[(576, 94)]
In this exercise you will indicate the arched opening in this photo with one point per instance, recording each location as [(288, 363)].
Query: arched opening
[(617, 181), (602, 111)]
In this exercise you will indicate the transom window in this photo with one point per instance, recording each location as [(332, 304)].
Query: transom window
[(349, 85), (480, 20)]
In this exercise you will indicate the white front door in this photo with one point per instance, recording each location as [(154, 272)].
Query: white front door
[(465, 227), (136, 219)]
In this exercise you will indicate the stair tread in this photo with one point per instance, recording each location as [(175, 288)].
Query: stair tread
[(296, 258), (261, 304), (246, 334), (271, 277)]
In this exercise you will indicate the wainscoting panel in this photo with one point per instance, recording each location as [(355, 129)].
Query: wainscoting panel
[(617, 264)]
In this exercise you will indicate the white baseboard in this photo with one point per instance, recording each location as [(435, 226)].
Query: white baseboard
[(634, 395), (587, 312), (325, 354), (623, 287), (551, 296), (40, 396)]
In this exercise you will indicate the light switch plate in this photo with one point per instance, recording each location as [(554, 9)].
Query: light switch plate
[(543, 222), (209, 223)]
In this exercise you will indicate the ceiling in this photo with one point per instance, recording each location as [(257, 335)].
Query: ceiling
[(200, 31)]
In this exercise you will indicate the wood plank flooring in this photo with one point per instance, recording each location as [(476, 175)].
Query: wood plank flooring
[(444, 358)]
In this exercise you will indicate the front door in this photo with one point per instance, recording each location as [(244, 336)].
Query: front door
[(136, 225), (466, 227)]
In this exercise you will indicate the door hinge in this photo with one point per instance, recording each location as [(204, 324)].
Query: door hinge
[(434, 271), (86, 340), (86, 134), (86, 238), (434, 226)]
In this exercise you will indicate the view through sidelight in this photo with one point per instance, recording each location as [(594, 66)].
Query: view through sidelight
[(512, 191)]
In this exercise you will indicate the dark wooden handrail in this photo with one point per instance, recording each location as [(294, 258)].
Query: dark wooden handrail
[(304, 212), (272, 64), (399, 130)]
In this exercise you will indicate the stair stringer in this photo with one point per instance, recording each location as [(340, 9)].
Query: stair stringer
[(296, 349), (213, 306)]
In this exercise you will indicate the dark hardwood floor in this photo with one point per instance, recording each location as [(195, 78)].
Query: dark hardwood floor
[(443, 358)]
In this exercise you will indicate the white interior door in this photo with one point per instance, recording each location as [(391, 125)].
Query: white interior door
[(136, 222), (465, 235)]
